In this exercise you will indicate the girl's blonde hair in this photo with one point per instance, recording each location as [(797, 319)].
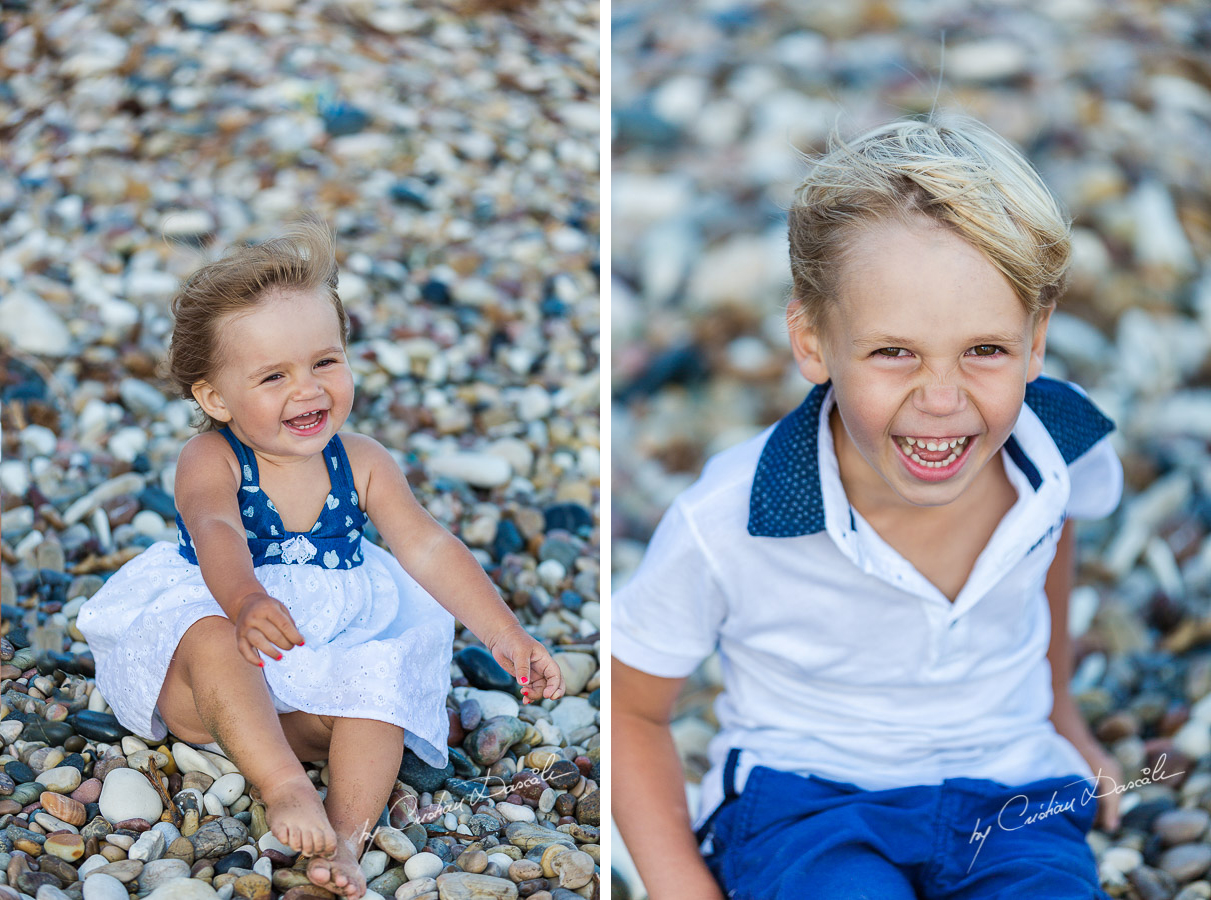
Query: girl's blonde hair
[(301, 259), (951, 169)]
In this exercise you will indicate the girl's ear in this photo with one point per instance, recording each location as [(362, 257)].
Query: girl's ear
[(1038, 343), (211, 401), (807, 343)]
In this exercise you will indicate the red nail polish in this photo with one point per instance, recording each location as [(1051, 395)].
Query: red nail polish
[(261, 663), (525, 680), (301, 643)]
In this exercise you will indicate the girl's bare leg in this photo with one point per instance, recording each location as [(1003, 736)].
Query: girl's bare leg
[(211, 693), (363, 763)]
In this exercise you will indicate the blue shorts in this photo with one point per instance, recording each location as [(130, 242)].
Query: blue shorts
[(787, 837)]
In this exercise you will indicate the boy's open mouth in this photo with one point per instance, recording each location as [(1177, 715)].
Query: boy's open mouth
[(933, 459), (307, 423)]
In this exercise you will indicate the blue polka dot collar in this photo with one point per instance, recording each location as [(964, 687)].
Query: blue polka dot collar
[(787, 499)]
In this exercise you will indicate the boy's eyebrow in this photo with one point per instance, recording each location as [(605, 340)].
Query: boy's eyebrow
[(891, 340), (265, 370)]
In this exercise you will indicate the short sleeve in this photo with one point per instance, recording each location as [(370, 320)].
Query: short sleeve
[(1097, 482), (665, 620)]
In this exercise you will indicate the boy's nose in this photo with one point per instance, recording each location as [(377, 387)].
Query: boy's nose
[(939, 399)]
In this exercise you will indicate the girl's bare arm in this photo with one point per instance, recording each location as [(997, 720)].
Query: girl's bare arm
[(206, 496), (648, 788)]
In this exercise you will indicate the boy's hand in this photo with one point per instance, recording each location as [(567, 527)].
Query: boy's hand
[(1109, 775), (528, 661), (264, 624)]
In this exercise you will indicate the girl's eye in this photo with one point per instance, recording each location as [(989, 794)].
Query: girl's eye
[(326, 362), (269, 378), (891, 352), (986, 350)]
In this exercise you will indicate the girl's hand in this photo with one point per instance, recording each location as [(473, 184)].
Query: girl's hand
[(264, 624), (528, 661)]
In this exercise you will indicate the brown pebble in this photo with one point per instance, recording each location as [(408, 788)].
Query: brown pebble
[(307, 892), (199, 780), (113, 852), (565, 804), (585, 765), (136, 825), (125, 870), (63, 808), (27, 845), (277, 858), (104, 766), (181, 849), (531, 887), (60, 868), (524, 870), (473, 861), (9, 807), (89, 791), (285, 879), (253, 887), (456, 733)]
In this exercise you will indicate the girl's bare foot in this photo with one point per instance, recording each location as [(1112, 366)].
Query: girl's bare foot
[(340, 873), (297, 817)]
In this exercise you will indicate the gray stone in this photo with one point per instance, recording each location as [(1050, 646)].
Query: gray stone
[(159, 872), (1187, 862), (1181, 826)]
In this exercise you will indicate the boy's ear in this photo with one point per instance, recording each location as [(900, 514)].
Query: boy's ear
[(807, 343), (1038, 343), (211, 401)]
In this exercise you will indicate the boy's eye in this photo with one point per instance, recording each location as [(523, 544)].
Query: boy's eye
[(272, 377), (325, 362), (891, 352), (985, 350)]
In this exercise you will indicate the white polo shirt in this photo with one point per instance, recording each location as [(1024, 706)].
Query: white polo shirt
[(839, 658)]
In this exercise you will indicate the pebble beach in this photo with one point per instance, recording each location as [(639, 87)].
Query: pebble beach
[(1113, 105), (454, 150)]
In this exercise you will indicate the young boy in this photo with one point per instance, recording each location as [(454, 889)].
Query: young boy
[(885, 572)]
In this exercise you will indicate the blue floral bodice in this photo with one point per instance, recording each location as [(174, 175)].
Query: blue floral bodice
[(334, 542)]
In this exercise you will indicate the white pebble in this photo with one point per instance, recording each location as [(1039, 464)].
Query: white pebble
[(373, 864), (423, 865), (101, 886), (127, 794), (228, 788), (515, 812)]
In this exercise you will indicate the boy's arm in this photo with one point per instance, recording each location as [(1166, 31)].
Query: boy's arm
[(648, 788), (444, 567), (1065, 715)]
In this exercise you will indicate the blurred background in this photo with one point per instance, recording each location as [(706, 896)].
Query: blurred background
[(1112, 103), (454, 148)]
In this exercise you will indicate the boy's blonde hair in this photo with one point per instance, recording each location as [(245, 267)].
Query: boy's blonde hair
[(301, 259), (950, 169)]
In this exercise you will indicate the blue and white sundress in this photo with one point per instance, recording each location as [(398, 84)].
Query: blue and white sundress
[(377, 645)]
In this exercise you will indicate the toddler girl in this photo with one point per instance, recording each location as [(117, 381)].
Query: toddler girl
[(274, 628)]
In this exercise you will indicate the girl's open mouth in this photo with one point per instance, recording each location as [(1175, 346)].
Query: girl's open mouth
[(934, 459), (308, 423)]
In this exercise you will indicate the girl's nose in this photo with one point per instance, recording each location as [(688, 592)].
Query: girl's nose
[(307, 386), (939, 399)]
